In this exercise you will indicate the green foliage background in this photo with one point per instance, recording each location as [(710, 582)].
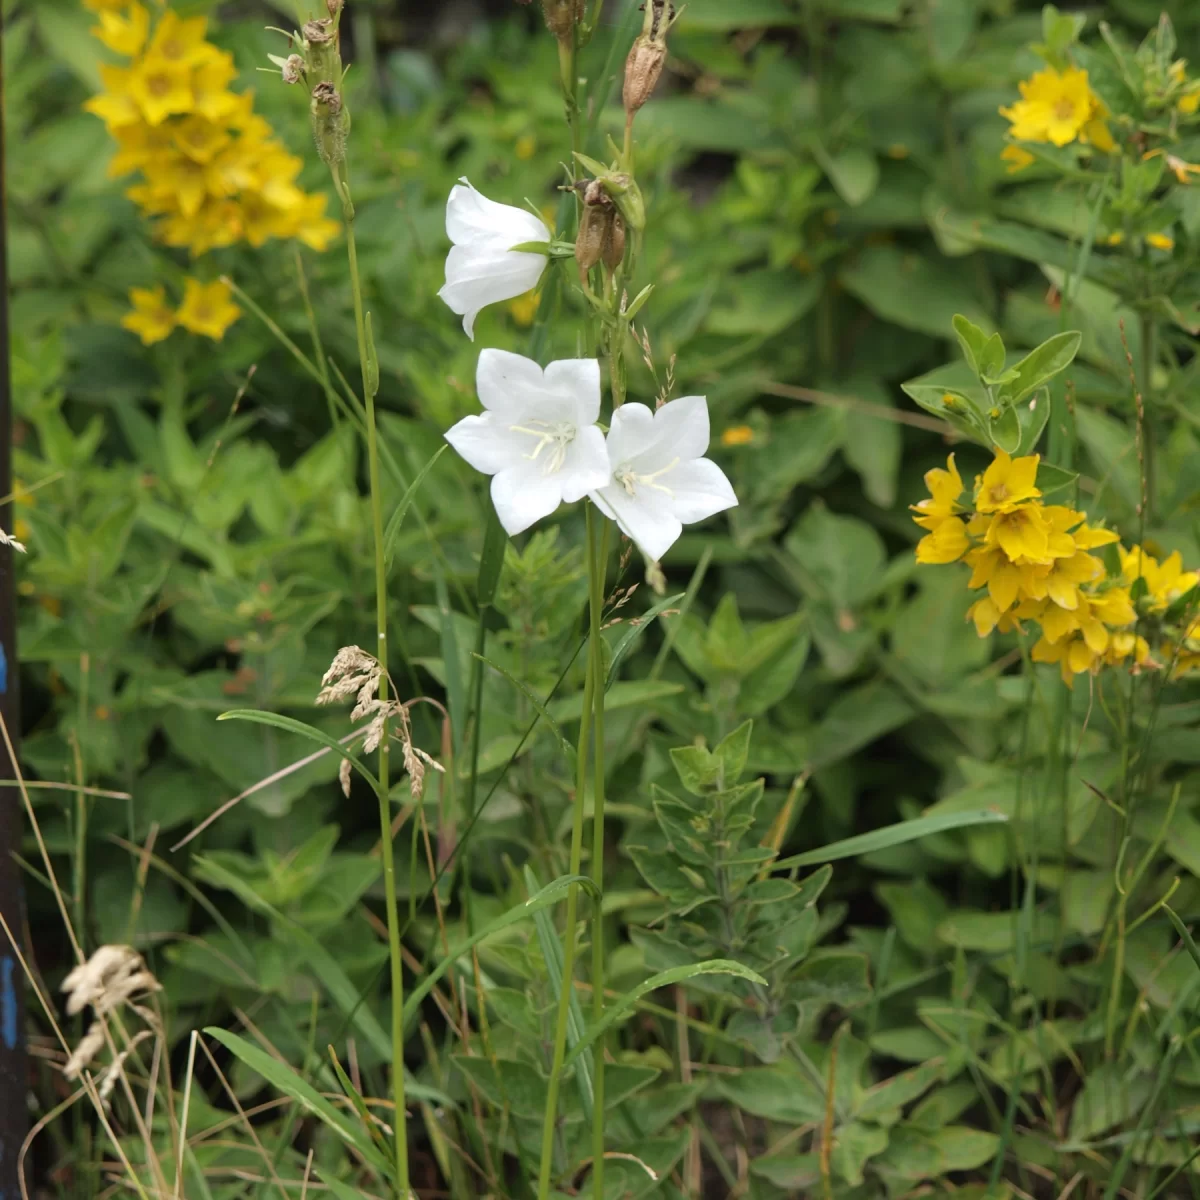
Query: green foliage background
[(825, 192)]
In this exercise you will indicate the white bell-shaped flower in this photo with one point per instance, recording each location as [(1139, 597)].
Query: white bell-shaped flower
[(538, 438), (661, 480), (482, 266)]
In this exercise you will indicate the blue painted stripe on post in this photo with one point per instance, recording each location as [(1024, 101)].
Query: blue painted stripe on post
[(3, 681), (8, 1003)]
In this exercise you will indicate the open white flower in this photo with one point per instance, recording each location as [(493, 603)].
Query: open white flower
[(538, 438), (660, 479), (482, 266)]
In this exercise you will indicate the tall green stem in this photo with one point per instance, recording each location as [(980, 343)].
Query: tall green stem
[(370, 381), (591, 682), (598, 556)]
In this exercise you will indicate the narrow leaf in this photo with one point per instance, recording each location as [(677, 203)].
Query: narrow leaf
[(282, 1077), (397, 518), (632, 632), (279, 721), (550, 894), (892, 835), (538, 706), (616, 1011)]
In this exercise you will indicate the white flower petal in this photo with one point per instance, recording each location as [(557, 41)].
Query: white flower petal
[(507, 383), (578, 379), (698, 490), (487, 443), (471, 216), (629, 432), (523, 495), (477, 278), (482, 267), (648, 522), (680, 432), (585, 467)]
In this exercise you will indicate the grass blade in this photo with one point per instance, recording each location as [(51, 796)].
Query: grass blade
[(625, 1003), (892, 835)]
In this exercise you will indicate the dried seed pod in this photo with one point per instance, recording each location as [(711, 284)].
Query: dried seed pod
[(562, 16), (320, 44), (647, 56), (613, 252), (594, 235)]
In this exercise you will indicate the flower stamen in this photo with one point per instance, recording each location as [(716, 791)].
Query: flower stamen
[(556, 434), (629, 479)]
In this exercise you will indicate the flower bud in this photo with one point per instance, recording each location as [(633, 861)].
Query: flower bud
[(329, 121), (562, 16), (628, 197)]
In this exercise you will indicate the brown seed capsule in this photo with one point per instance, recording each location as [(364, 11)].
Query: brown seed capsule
[(647, 56), (593, 236), (562, 16), (614, 243), (334, 7)]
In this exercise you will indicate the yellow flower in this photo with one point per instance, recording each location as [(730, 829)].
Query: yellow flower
[(200, 139), (1114, 239), (1054, 107), (737, 435), (1189, 104), (1165, 583), (139, 145), (945, 488), (124, 33), (161, 88), (526, 147), (1007, 483), (178, 42), (946, 544), (1180, 168), (152, 318), (1096, 133), (210, 87), (1017, 157), (207, 309), (898, 150), (524, 308), (1160, 241), (116, 105)]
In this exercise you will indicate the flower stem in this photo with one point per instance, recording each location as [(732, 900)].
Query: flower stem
[(370, 381), (591, 681), (598, 558)]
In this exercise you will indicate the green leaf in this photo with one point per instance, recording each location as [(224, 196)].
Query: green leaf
[(397, 518), (278, 721), (1041, 365), (624, 1004), (720, 17), (282, 1077), (732, 751), (567, 748), (632, 629), (782, 1092), (1005, 430), (554, 891), (913, 291), (854, 173), (853, 1146), (973, 341), (1052, 479), (633, 693), (894, 1093), (891, 835)]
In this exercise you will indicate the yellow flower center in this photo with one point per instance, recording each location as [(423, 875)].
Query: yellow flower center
[(1064, 109), (158, 85), (172, 48), (998, 493)]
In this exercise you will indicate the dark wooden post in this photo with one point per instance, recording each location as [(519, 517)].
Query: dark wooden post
[(13, 1082)]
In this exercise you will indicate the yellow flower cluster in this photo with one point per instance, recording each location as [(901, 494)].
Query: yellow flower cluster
[(212, 172), (1057, 107), (207, 309), (1035, 561)]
